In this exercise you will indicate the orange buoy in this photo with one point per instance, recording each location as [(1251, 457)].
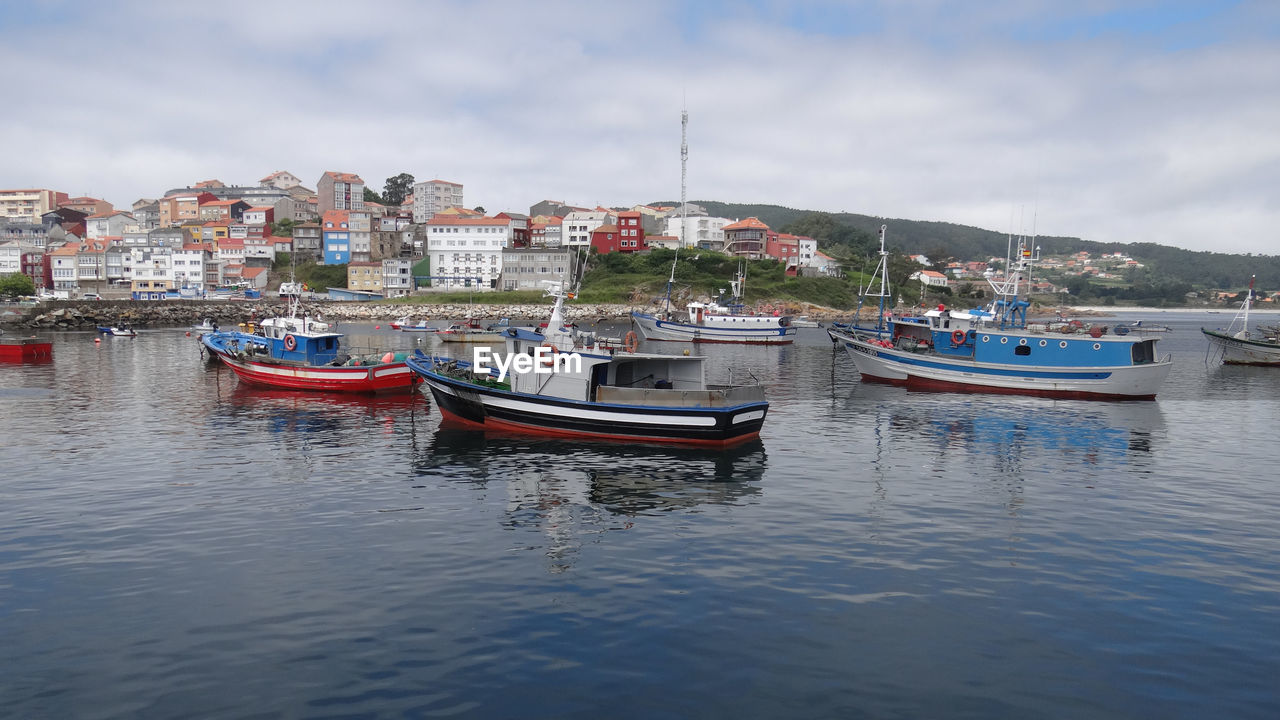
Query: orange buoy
[(377, 327), (98, 340)]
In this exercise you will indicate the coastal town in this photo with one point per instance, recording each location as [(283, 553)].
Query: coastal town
[(211, 239)]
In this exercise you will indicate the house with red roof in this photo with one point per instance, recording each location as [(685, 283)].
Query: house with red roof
[(87, 205), (282, 179), (747, 238), (339, 191)]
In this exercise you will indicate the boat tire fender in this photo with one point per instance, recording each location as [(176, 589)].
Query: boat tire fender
[(290, 343), (957, 337), (631, 341)]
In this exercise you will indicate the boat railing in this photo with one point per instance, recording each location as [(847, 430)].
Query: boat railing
[(712, 396)]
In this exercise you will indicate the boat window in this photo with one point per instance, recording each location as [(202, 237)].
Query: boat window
[(1022, 350)]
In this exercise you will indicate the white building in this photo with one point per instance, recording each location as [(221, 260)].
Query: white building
[(432, 196), (106, 225), (282, 179), (359, 223), (152, 269), (466, 252), (578, 225), (11, 257), (189, 269), (397, 277), (700, 232)]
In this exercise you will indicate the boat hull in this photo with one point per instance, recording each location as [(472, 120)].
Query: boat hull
[(653, 328), (877, 363), (469, 405), (381, 378), (470, 337), (1242, 351), (26, 350)]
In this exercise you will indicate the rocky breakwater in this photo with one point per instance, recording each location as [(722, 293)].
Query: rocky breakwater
[(86, 315), (379, 312)]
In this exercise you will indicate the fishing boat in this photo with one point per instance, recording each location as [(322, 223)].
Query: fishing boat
[(879, 328), (567, 383), (992, 350), (420, 326), (471, 331), (117, 330), (293, 353), (1238, 345), (723, 320), (28, 349)]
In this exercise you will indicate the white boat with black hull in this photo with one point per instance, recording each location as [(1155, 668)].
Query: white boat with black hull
[(570, 384)]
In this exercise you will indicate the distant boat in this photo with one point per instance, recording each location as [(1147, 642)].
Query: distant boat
[(993, 351), (803, 321), (1140, 327), (118, 331), (722, 320), (207, 326), (1242, 346), (295, 353), (420, 326), (471, 331)]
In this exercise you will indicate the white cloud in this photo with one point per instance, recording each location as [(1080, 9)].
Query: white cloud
[(913, 110)]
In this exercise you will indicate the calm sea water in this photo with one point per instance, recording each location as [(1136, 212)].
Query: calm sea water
[(174, 544)]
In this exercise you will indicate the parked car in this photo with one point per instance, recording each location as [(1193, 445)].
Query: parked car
[(91, 296)]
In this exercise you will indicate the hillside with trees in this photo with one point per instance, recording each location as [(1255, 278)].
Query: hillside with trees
[(851, 237)]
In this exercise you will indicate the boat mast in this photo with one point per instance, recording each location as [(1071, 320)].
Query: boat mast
[(684, 203)]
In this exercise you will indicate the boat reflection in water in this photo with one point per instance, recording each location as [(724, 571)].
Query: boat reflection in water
[(568, 491), (1095, 434), (301, 411)]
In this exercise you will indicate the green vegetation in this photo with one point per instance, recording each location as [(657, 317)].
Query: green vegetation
[(319, 277), (372, 196), (16, 285), (283, 228)]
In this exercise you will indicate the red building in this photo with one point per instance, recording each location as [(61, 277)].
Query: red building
[(783, 247), (626, 236)]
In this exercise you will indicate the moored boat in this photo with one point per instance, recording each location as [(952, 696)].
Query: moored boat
[(28, 349), (117, 330), (993, 351), (471, 331), (566, 383), (404, 325), (1238, 345), (292, 353), (717, 321)]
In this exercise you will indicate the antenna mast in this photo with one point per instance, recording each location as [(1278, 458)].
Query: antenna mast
[(684, 204)]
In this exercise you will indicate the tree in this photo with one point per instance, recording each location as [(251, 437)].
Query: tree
[(397, 188), (480, 209), (371, 196), (283, 228), (16, 285)]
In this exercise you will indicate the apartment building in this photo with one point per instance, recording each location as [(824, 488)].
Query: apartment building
[(432, 196), (339, 191), (28, 205), (465, 251)]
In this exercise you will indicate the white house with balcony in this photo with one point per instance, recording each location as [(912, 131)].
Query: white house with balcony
[(466, 252), (110, 224), (698, 231), (397, 277)]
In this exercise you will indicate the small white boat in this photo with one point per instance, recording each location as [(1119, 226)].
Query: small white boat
[(118, 331), (207, 326), (420, 326), (803, 321)]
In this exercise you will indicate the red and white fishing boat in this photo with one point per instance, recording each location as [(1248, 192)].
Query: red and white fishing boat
[(294, 353)]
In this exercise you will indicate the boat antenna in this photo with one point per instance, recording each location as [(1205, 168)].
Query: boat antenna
[(684, 203)]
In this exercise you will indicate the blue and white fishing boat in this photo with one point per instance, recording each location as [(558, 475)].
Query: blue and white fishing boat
[(993, 351), (298, 353), (566, 383)]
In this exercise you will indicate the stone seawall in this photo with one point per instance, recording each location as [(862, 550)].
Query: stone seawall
[(81, 315)]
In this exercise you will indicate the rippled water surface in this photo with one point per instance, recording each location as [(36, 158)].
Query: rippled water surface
[(174, 544)]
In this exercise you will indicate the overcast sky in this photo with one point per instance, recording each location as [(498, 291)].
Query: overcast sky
[(1111, 121)]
